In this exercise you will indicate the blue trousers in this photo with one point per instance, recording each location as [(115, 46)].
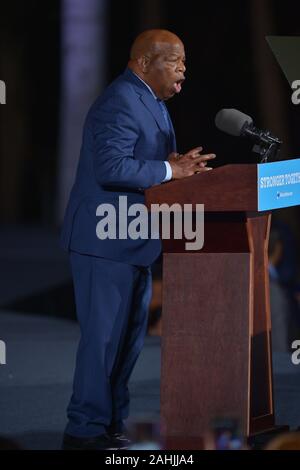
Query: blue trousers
[(112, 301)]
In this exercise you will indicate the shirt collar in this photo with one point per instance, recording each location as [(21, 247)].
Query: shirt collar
[(146, 84)]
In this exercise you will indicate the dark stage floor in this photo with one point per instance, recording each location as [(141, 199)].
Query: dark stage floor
[(36, 381), (37, 324)]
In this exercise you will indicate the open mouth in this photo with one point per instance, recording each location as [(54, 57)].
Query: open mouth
[(177, 85)]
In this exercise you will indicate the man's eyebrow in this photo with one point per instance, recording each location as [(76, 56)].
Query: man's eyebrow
[(175, 54)]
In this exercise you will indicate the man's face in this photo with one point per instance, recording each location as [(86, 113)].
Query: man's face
[(165, 70)]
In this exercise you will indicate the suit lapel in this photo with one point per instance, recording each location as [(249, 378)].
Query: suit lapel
[(148, 100), (153, 106)]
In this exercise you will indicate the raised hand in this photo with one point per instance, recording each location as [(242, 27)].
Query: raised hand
[(190, 163)]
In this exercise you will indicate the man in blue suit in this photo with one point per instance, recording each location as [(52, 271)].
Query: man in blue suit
[(128, 146)]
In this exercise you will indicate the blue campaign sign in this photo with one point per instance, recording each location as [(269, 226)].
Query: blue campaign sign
[(278, 184)]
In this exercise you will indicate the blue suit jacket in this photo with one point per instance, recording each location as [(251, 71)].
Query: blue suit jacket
[(125, 140)]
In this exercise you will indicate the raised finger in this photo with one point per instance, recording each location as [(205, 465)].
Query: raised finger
[(194, 152), (204, 158)]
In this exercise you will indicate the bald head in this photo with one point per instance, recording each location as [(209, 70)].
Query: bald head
[(150, 42), (157, 56)]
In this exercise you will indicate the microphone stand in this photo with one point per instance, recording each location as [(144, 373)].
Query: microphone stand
[(266, 145), (267, 152)]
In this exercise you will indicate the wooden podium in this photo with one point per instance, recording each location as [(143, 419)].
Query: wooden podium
[(216, 351)]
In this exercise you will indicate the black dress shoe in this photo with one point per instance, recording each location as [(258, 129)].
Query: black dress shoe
[(102, 442), (120, 440)]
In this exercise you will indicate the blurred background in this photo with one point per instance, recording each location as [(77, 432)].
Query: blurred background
[(56, 57)]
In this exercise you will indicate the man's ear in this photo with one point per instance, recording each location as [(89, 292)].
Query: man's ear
[(144, 62)]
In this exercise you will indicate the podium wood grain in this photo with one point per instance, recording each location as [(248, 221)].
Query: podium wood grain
[(216, 350)]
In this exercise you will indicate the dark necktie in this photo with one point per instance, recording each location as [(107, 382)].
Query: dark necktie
[(165, 114)]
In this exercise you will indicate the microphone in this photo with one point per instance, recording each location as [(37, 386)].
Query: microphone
[(236, 123)]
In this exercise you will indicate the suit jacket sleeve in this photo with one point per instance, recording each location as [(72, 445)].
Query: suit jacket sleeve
[(115, 134)]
